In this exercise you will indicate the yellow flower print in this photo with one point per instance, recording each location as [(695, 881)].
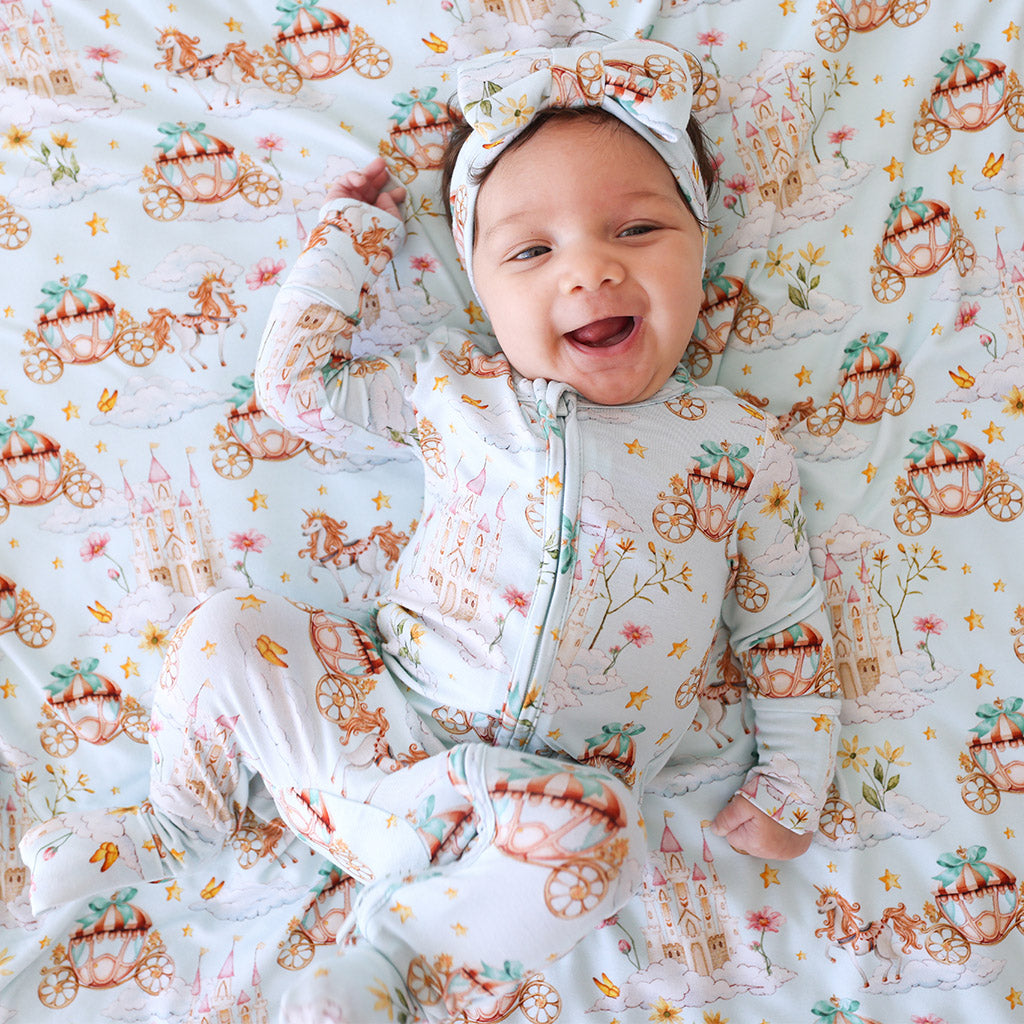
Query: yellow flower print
[(517, 112), (775, 501), (852, 755), (891, 754), (778, 262), (665, 1011), (16, 137), (813, 256), (1014, 402)]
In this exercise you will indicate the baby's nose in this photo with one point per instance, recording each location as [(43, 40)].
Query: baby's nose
[(590, 267)]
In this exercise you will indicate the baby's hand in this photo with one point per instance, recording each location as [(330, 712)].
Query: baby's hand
[(367, 186), (749, 830)]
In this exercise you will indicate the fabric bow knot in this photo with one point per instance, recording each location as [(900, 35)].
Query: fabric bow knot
[(54, 291), (173, 132), (954, 863), (20, 426), (989, 715), (120, 901), (64, 674)]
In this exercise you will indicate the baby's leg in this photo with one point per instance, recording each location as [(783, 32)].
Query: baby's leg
[(254, 695), (555, 849)]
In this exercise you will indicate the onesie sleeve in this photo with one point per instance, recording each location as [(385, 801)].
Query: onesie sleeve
[(306, 377), (781, 634)]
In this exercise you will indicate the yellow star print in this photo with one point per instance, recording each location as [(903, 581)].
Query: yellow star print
[(634, 447), (637, 698)]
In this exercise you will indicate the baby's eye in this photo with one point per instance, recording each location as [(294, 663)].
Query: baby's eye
[(530, 253), (637, 229)]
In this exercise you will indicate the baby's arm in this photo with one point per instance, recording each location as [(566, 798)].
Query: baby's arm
[(306, 377)]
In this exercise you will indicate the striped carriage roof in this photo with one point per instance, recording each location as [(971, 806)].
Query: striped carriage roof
[(971, 879), (800, 634), (116, 916), (910, 214), (28, 442), (189, 147), (999, 722), (564, 785), (867, 354), (309, 18), (7, 585), (82, 686), (727, 469), (720, 287), (943, 451), (966, 72), (77, 302)]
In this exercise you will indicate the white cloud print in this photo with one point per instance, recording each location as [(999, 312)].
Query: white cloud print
[(147, 402)]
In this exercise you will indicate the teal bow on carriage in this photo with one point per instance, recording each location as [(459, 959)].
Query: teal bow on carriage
[(120, 901), (54, 292), (404, 103), (20, 427), (990, 715), (291, 9), (953, 865), (173, 132), (951, 58), (64, 674)]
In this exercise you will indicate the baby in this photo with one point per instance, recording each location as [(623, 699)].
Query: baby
[(597, 528)]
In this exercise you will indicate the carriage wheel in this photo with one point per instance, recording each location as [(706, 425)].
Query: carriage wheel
[(833, 32), (260, 189), (1004, 501), (43, 366), (1013, 107), (906, 12), (980, 794), (248, 844), (930, 135), (901, 397), (590, 70), (35, 628), (539, 1001), (912, 517), (661, 67), (575, 888), (281, 76), (674, 520), (534, 517), (5, 508), (886, 284), (423, 983), (231, 460), (14, 230), (155, 973), (59, 740), (837, 818), (135, 346), (371, 60), (687, 408), (58, 987), (297, 953), (162, 203), (135, 723), (698, 361), (337, 699), (753, 593), (753, 322), (946, 945), (455, 724), (83, 488), (964, 253), (826, 420)]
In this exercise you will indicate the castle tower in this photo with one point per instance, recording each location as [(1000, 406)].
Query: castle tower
[(35, 54), (522, 12), (877, 648), (1011, 292), (13, 873), (575, 632)]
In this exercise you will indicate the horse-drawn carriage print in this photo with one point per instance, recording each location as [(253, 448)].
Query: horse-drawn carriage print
[(82, 704), (970, 93), (416, 139), (114, 941), (921, 236), (728, 309), (20, 613), (193, 166), (34, 469), (948, 477), (15, 230), (872, 383), (249, 434), (993, 763), (838, 18), (321, 920), (81, 326)]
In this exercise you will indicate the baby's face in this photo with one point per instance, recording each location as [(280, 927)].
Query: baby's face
[(588, 261)]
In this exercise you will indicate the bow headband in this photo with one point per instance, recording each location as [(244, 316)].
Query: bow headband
[(646, 84)]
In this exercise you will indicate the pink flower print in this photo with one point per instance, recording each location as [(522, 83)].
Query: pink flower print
[(966, 315), (516, 599), (712, 38), (841, 135), (248, 541), (930, 624), (740, 184), (102, 53), (638, 635), (265, 272), (95, 546), (271, 142), (764, 920), (425, 264)]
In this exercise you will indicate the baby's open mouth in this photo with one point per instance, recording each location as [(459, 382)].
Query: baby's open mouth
[(603, 333)]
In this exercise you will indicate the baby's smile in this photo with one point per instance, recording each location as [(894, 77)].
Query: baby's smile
[(604, 333)]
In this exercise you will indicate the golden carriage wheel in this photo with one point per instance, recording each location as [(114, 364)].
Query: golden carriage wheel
[(432, 448), (83, 488), (5, 509), (162, 203), (534, 516), (901, 397), (260, 189), (826, 420), (887, 285), (687, 408), (337, 698), (946, 945), (35, 628), (698, 361), (575, 888), (673, 518), (912, 516), (155, 973), (1014, 103), (404, 169), (906, 12), (930, 134), (590, 70), (135, 722), (371, 60), (231, 460), (43, 366), (279, 75), (58, 739), (135, 346), (665, 69), (423, 983), (752, 593), (455, 724), (58, 987), (832, 32), (964, 253), (248, 844), (753, 321), (14, 230), (837, 818), (539, 1001), (1004, 501), (296, 953), (980, 794)]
